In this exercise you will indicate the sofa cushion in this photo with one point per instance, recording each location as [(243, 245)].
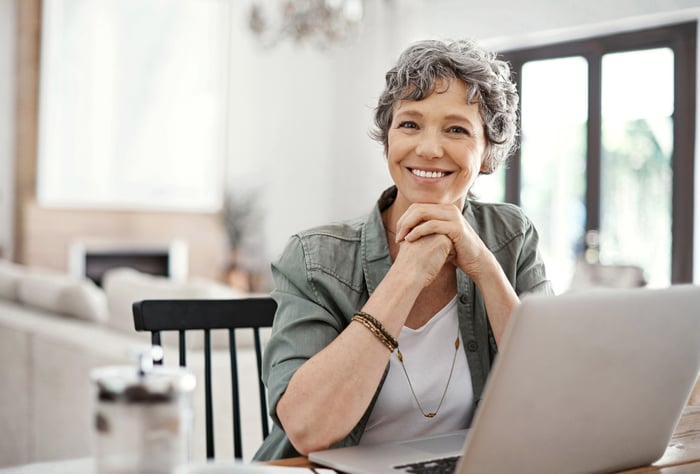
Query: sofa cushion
[(62, 294), (124, 286), (10, 274)]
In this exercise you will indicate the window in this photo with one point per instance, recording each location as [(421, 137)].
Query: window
[(636, 172), (606, 163), (553, 118), (133, 104)]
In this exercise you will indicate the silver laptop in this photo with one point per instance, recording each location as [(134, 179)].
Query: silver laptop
[(586, 382)]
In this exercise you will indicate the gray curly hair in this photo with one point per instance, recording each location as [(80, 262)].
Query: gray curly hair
[(423, 64)]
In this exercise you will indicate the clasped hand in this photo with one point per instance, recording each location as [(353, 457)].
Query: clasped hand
[(430, 235)]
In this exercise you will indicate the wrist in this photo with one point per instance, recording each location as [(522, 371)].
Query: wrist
[(406, 277), (392, 300), (487, 270)]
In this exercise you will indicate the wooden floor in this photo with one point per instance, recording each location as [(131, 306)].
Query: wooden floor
[(695, 395)]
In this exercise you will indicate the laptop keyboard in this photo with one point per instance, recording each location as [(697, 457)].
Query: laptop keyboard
[(435, 466)]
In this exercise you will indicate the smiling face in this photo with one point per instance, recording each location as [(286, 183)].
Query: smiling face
[(435, 147)]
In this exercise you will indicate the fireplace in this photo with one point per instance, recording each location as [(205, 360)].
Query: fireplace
[(92, 258)]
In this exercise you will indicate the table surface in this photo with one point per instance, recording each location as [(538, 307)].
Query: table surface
[(681, 457)]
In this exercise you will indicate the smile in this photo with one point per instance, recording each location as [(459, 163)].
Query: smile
[(428, 174)]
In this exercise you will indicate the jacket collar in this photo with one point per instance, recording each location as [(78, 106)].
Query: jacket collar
[(376, 259)]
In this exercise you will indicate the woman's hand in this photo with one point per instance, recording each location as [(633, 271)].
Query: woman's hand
[(467, 252), (424, 257)]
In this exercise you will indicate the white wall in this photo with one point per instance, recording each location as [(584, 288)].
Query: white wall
[(280, 104), (7, 130)]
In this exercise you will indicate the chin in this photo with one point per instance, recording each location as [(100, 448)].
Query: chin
[(430, 199), (422, 196)]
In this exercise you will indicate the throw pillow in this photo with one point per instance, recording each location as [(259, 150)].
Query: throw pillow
[(62, 294), (10, 274)]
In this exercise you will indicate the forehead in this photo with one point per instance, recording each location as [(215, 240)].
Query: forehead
[(452, 93)]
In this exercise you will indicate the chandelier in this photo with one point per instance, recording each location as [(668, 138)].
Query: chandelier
[(321, 22)]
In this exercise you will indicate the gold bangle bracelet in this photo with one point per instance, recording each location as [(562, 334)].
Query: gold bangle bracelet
[(374, 330)]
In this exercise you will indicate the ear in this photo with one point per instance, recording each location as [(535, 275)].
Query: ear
[(486, 163)]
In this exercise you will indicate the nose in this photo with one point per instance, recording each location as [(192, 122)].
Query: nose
[(429, 145)]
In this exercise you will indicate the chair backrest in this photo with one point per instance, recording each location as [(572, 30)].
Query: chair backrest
[(206, 315), (596, 275)]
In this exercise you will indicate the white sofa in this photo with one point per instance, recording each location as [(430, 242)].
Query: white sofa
[(55, 329)]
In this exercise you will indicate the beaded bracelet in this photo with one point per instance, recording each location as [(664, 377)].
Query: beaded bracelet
[(377, 329), (379, 326), (377, 333)]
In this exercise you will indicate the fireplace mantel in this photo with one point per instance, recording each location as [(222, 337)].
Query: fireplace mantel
[(92, 258)]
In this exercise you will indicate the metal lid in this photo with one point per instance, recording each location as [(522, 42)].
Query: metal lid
[(144, 382), (131, 385)]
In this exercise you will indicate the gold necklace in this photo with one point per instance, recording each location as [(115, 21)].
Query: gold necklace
[(430, 414)]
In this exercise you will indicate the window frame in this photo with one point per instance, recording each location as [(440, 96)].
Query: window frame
[(681, 38)]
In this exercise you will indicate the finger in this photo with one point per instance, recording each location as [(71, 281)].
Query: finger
[(419, 213), (430, 227)]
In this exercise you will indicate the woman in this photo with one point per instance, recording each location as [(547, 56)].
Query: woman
[(387, 326)]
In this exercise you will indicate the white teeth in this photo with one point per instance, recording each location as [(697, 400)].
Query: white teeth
[(428, 174)]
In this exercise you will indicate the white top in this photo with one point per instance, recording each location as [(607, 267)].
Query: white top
[(427, 354)]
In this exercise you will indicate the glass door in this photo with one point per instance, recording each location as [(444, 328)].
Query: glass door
[(553, 159), (636, 172)]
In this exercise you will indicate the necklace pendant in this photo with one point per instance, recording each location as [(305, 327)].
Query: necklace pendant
[(430, 415)]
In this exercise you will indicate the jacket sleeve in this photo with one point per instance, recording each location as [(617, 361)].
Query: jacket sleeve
[(302, 326), (531, 276)]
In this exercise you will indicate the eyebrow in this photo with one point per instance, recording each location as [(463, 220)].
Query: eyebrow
[(459, 118), (448, 117)]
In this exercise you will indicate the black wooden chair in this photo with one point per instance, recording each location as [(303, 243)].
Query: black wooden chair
[(204, 316)]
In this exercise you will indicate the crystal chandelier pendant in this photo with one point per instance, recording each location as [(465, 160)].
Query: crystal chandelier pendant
[(323, 23)]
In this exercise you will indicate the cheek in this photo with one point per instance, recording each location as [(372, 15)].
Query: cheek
[(396, 148), (478, 152)]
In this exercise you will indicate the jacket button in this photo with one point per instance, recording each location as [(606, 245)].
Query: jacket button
[(472, 346), (463, 299)]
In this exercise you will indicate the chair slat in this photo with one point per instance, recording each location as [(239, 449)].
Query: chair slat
[(182, 345), (261, 385), (235, 397), (209, 410), (155, 341)]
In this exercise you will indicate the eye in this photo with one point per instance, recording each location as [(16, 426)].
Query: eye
[(407, 124), (458, 129)]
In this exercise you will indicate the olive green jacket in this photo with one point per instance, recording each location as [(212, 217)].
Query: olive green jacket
[(327, 273)]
